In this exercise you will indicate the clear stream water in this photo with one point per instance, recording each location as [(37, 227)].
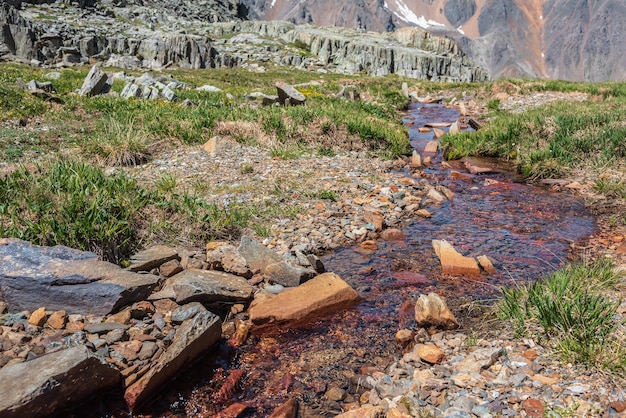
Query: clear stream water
[(526, 230)]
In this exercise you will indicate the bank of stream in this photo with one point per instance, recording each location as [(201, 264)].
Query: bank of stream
[(525, 230)]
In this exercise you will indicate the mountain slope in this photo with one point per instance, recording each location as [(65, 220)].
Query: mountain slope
[(566, 39)]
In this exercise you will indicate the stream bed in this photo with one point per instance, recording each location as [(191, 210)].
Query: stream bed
[(525, 230)]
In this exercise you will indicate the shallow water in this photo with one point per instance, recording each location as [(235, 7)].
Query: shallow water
[(525, 230)]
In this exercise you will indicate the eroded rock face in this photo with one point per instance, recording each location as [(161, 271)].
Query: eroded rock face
[(61, 278), (37, 388)]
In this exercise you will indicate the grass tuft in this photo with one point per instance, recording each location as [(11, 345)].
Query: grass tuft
[(571, 311)]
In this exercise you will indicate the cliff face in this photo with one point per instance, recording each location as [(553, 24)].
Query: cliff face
[(566, 39), (158, 41)]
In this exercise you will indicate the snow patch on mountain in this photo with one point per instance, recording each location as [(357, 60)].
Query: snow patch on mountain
[(406, 14)]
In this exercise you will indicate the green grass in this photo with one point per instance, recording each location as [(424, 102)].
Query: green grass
[(552, 140), (112, 131), (77, 205), (573, 311)]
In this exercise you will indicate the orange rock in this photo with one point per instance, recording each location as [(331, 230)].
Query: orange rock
[(452, 262), (287, 410), (376, 218), (233, 411), (530, 355), (459, 176), (321, 295), (423, 130), (404, 336), (423, 213), (416, 159), (38, 318), (486, 264), (122, 317), (438, 132), (57, 320), (533, 408), (430, 353), (431, 147), (214, 245), (369, 245), (619, 406), (392, 234)]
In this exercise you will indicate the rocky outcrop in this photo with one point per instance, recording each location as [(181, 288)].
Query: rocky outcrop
[(40, 387), (411, 52), (63, 278)]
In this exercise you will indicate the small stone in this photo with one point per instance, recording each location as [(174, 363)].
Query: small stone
[(392, 234), (122, 317), (369, 245), (423, 213), (430, 353), (533, 407), (57, 320), (170, 268), (38, 318), (431, 310), (335, 394), (431, 147), (486, 264), (416, 160), (404, 336), (619, 406)]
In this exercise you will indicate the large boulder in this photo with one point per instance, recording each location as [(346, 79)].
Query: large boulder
[(194, 337), (94, 82), (319, 296), (59, 278), (59, 380), (454, 263), (205, 286), (257, 256)]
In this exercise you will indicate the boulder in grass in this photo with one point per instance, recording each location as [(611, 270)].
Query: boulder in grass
[(94, 82), (288, 95)]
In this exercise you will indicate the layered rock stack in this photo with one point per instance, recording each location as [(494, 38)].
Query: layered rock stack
[(73, 318)]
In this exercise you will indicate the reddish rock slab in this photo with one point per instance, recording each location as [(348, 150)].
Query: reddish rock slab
[(194, 337), (287, 410), (534, 408), (619, 406), (233, 411), (454, 263), (321, 295)]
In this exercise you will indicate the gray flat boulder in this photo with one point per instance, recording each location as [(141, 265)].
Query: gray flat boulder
[(62, 278), (288, 275), (94, 82), (194, 337), (52, 382), (152, 257), (288, 95), (257, 256), (205, 286)]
